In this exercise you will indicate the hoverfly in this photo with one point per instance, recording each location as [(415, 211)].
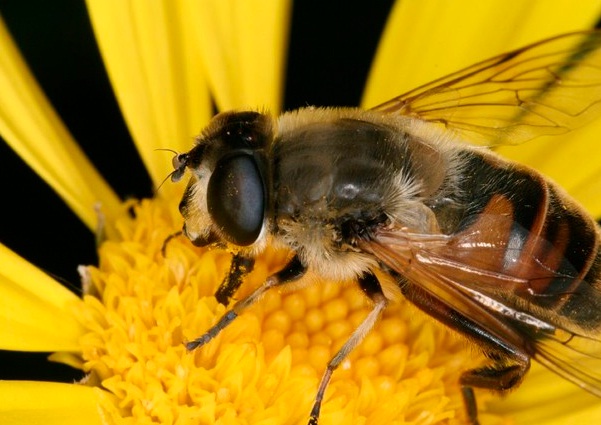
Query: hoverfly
[(489, 248)]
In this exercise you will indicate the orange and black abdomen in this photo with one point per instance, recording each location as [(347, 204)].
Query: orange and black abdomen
[(540, 235)]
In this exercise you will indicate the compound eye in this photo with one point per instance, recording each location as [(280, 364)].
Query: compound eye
[(236, 198)]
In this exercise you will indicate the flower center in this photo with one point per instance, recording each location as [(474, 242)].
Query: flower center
[(143, 305)]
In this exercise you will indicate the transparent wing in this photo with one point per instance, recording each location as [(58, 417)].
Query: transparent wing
[(546, 88), (463, 272), (575, 357)]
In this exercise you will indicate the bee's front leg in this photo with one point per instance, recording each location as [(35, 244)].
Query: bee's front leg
[(239, 268), (294, 270)]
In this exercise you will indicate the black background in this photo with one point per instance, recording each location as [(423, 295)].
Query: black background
[(330, 51)]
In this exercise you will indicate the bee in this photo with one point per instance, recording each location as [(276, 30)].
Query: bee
[(489, 248)]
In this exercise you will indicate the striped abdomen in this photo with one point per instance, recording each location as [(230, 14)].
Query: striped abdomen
[(529, 228)]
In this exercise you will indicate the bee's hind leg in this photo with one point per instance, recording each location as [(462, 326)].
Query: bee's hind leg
[(497, 378)]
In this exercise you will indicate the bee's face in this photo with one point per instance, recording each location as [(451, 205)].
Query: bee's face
[(226, 197)]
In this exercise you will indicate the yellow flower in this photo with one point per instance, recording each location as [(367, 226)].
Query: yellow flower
[(165, 60)]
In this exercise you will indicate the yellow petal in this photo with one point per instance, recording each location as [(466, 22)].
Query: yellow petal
[(545, 398), (243, 44), (31, 127), (427, 39), (36, 312), (587, 191), (156, 73), (48, 403)]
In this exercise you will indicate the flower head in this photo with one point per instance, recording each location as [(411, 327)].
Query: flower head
[(142, 302)]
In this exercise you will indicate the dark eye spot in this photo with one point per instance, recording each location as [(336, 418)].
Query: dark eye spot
[(236, 198)]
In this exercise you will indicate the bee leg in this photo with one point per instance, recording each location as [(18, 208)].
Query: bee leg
[(292, 271), (500, 377), (239, 268), (167, 240), (510, 362), (371, 287)]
